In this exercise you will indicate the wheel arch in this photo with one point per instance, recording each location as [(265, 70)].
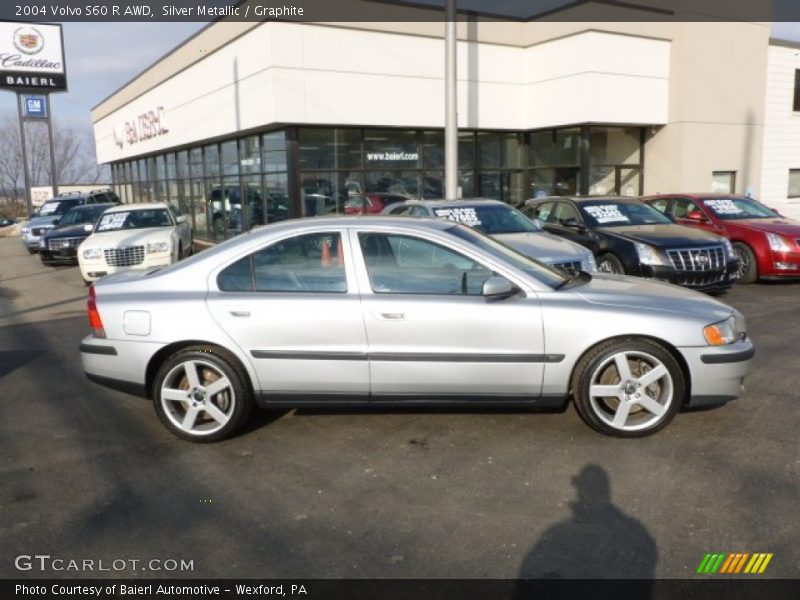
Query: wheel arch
[(164, 353), (673, 350)]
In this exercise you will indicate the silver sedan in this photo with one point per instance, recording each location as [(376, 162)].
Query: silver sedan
[(349, 311)]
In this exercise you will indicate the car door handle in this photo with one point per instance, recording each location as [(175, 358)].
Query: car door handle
[(395, 316), (240, 313)]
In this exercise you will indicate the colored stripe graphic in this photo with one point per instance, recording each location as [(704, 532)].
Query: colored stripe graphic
[(734, 563)]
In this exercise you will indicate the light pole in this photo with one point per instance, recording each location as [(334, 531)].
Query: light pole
[(451, 102)]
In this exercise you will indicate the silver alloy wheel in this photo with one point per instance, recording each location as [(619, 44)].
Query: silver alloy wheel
[(197, 397), (630, 391), (744, 261)]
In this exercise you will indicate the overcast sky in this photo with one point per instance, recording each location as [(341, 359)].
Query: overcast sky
[(103, 56)]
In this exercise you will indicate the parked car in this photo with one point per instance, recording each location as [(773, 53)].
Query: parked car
[(766, 243), (9, 227), (50, 213), (348, 311), (59, 246), (135, 236), (372, 203), (505, 224), (629, 237)]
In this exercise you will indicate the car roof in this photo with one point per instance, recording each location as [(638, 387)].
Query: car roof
[(581, 199), (421, 223), (695, 196), (137, 206), (454, 203), (88, 207)]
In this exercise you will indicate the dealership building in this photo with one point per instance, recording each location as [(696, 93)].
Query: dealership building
[(246, 123)]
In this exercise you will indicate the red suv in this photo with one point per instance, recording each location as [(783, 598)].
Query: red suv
[(767, 244)]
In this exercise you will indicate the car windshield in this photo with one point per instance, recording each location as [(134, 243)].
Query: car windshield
[(608, 213), (490, 219), (730, 209), (55, 208), (81, 216), (133, 219), (532, 267)]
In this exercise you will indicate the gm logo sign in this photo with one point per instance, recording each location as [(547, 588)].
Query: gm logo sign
[(35, 107)]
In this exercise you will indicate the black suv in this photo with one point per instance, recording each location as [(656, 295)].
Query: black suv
[(629, 237), (59, 245)]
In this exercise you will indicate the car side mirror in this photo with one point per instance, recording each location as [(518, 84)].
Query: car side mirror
[(88, 227), (498, 288), (573, 223), (696, 216), (181, 219)]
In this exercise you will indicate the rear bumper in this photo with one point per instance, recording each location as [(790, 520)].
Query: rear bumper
[(718, 372), (117, 364)]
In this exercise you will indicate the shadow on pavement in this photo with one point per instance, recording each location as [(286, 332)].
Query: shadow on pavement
[(11, 360), (599, 541)]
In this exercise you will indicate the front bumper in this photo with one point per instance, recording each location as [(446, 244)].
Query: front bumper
[(31, 241), (702, 281), (717, 372), (92, 270), (780, 265), (68, 256)]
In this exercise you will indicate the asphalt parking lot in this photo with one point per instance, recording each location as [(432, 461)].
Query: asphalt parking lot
[(91, 473)]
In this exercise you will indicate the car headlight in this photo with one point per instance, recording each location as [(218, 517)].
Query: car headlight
[(649, 255), (591, 263), (92, 253), (777, 243), (157, 247), (725, 332), (26, 230)]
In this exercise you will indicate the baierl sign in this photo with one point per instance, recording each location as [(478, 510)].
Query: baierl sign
[(144, 126), (32, 57)]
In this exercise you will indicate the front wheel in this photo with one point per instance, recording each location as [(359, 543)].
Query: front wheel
[(609, 263), (200, 394), (628, 388), (748, 268)]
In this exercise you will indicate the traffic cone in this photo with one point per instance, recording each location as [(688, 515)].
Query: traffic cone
[(326, 253)]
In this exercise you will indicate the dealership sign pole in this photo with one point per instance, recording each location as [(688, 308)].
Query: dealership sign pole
[(32, 65)]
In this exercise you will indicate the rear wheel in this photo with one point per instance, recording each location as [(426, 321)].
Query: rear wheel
[(628, 388), (201, 395), (748, 268), (609, 263)]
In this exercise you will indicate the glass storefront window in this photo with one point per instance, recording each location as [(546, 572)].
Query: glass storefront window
[(250, 155), (614, 145), (602, 181), (394, 185), (501, 150), (230, 158), (216, 202), (196, 162), (566, 151), (196, 197), (211, 160), (503, 185), (276, 192), (161, 168), (171, 174), (326, 193), (330, 149), (182, 165), (433, 149), (723, 182), (391, 149)]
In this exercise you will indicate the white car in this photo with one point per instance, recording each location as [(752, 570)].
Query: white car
[(135, 236)]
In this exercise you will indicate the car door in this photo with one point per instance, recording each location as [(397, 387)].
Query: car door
[(556, 223), (292, 307), (431, 333), (693, 214)]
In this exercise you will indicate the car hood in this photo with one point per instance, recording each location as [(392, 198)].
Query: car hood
[(544, 246), (781, 226), (42, 221), (664, 235), (67, 231), (134, 237), (638, 293)]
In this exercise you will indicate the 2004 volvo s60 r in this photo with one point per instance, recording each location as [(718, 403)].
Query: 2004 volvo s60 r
[(385, 310)]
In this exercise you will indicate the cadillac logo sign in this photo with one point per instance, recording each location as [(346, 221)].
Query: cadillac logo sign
[(28, 40)]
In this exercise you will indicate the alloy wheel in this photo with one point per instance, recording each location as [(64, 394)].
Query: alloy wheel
[(631, 391), (197, 397), (744, 261)]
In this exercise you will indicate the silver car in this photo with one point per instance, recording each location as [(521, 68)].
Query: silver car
[(506, 224), (342, 311)]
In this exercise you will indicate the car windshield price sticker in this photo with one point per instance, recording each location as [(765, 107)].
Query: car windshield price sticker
[(112, 221), (607, 213), (467, 216), (724, 206)]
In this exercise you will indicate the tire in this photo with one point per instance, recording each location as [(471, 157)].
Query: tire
[(180, 251), (637, 409), (748, 267), (215, 415), (609, 263), (31, 250)]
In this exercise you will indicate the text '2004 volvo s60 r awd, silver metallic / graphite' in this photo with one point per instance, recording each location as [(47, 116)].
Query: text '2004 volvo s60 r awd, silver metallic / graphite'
[(346, 310)]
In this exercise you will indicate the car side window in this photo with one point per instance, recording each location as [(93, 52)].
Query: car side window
[(418, 211), (661, 205), (542, 211), (684, 207), (400, 211), (562, 212), (174, 210), (306, 263), (399, 264)]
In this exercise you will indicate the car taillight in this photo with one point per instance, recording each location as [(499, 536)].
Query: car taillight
[(95, 322)]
